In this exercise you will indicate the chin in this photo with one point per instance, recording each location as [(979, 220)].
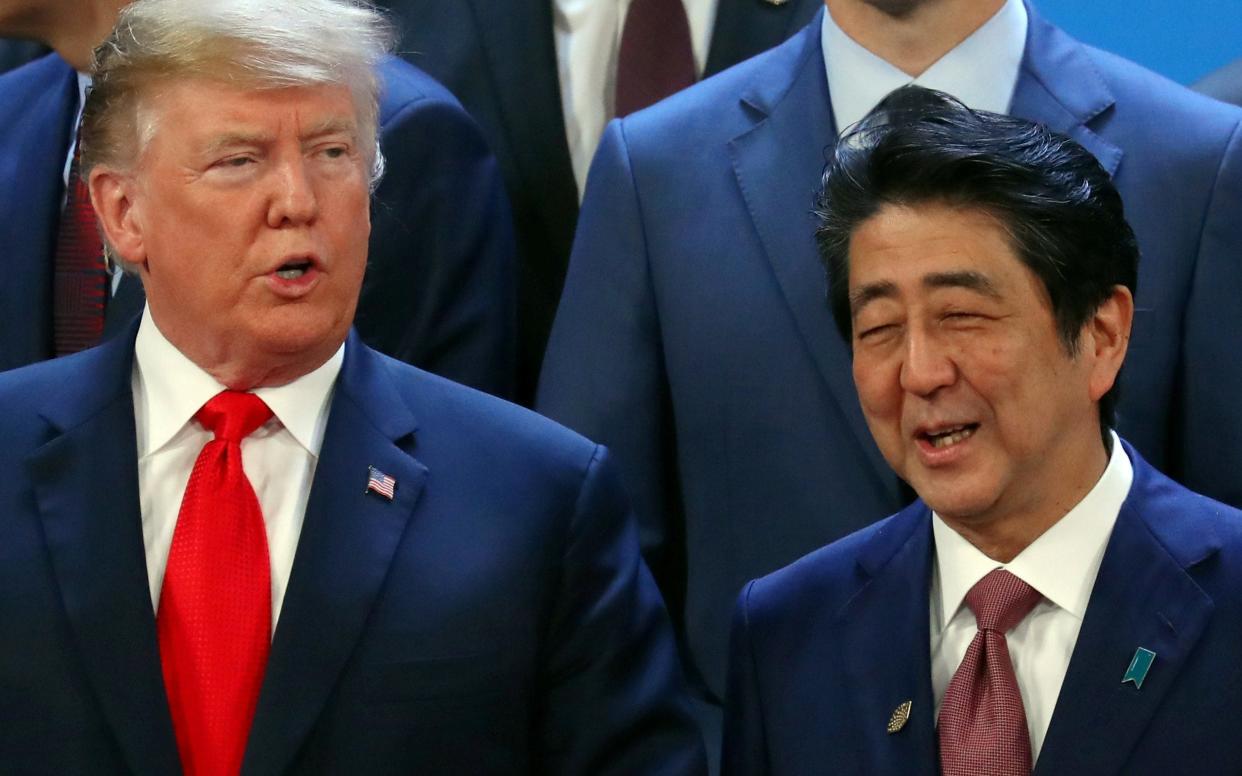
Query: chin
[(955, 500), (289, 335)]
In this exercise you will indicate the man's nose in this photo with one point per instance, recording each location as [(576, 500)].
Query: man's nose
[(927, 365), (293, 198)]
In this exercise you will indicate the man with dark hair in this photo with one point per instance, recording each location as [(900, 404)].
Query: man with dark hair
[(693, 340), (1074, 238), (1051, 598)]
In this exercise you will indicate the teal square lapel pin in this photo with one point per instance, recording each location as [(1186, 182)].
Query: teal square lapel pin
[(1139, 667)]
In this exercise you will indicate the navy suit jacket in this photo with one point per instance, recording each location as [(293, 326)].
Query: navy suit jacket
[(494, 618), (499, 58), (825, 649), (695, 340), (438, 292)]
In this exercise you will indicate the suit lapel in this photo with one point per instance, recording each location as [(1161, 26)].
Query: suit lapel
[(347, 543), (744, 28), (1143, 597), (778, 163), (1059, 87), (37, 141), (886, 647), (86, 490), (521, 55)]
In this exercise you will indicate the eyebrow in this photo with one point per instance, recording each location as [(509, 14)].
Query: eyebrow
[(332, 126), (968, 279), (232, 139), (864, 295), (328, 126)]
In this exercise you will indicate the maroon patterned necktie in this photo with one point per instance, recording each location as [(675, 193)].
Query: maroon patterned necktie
[(79, 278), (656, 57), (215, 616), (982, 724)]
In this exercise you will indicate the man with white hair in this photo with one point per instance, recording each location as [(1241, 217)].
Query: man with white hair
[(236, 539), (439, 288)]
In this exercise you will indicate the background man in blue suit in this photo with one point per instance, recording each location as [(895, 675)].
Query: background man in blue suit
[(509, 62), (1051, 597), (693, 341), (439, 291), (455, 582)]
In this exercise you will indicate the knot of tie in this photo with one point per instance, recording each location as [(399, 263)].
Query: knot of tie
[(1000, 601), (233, 415)]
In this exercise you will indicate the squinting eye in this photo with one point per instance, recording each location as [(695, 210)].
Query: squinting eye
[(961, 316), (335, 152), (874, 331), (235, 161)]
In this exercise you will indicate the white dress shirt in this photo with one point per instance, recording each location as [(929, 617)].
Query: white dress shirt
[(981, 71), (279, 458), (587, 34), (1061, 564)]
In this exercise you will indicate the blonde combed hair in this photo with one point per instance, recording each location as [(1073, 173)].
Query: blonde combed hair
[(255, 44)]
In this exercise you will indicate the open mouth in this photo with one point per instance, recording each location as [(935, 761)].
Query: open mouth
[(950, 436), (292, 270)]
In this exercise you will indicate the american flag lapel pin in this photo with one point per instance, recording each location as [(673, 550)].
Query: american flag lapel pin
[(380, 484)]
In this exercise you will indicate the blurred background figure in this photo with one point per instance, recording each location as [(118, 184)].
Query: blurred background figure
[(439, 288), (1224, 84), (541, 78)]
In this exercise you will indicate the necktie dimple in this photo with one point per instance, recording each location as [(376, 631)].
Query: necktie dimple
[(656, 57), (214, 620), (982, 725), (79, 277)]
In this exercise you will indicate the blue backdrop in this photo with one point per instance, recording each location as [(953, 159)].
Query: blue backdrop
[(1183, 40)]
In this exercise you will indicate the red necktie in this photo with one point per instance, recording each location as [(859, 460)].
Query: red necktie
[(656, 56), (982, 723), (79, 278), (215, 610)]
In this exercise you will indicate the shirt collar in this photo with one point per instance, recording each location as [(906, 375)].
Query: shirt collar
[(1061, 564), (981, 71), (169, 389)]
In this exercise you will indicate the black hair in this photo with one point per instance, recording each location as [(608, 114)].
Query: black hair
[(1062, 213)]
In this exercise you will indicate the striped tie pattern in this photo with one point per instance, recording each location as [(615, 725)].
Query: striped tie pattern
[(79, 278)]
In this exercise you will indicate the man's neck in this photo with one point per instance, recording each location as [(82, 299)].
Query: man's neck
[(911, 34)]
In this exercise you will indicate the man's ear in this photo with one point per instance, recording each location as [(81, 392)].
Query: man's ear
[(1107, 338), (114, 196)]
